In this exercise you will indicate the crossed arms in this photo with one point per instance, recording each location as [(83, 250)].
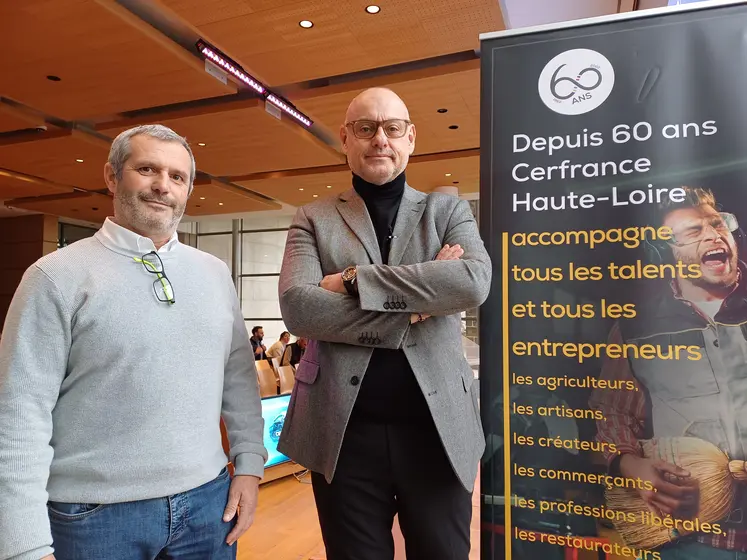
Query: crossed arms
[(438, 287)]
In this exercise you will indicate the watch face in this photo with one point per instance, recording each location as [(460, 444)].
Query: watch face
[(348, 274)]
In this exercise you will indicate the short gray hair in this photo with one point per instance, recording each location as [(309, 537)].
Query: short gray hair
[(120, 151)]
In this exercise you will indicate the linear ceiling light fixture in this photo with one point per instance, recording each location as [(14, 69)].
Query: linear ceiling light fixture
[(288, 108), (222, 61)]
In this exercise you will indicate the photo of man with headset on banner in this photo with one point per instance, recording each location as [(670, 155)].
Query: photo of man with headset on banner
[(702, 398)]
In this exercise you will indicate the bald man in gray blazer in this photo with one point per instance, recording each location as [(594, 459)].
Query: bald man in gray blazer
[(384, 411)]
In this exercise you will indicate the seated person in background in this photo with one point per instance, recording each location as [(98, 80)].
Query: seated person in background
[(293, 352), (277, 349), (258, 333)]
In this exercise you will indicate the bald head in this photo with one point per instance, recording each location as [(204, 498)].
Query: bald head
[(383, 157), (375, 97)]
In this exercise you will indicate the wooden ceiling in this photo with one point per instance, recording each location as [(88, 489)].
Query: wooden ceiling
[(265, 34), (75, 73)]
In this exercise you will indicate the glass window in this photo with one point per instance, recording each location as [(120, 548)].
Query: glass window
[(215, 226), (272, 330), (267, 222), (259, 297), (216, 245), (262, 252)]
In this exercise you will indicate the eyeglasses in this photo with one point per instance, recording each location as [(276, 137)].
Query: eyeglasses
[(393, 128), (694, 231), (161, 285)]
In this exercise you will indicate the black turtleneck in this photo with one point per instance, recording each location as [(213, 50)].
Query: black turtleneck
[(382, 202), (389, 392)]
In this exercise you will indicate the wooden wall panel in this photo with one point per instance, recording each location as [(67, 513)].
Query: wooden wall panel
[(23, 240)]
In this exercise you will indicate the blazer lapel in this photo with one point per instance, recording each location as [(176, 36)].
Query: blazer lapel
[(410, 210), (353, 210)]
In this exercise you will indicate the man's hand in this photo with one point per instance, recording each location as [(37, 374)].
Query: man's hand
[(676, 493), (333, 283), (449, 253), (243, 496)]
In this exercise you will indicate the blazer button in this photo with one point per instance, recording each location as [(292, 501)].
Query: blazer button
[(354, 380)]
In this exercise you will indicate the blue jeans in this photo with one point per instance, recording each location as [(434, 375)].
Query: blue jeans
[(693, 550), (187, 526)]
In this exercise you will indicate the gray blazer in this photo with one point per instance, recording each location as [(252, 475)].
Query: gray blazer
[(326, 237)]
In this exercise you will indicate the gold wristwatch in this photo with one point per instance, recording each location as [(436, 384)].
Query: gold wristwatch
[(350, 280)]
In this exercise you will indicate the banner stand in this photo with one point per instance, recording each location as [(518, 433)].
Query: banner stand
[(613, 347)]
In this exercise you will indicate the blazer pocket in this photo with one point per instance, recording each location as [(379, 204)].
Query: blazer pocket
[(307, 371)]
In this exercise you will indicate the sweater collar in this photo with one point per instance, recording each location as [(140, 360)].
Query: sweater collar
[(370, 192)]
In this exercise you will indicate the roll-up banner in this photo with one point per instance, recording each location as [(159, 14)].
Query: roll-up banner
[(613, 202)]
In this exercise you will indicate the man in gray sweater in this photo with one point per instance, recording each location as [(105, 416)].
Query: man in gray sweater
[(119, 355)]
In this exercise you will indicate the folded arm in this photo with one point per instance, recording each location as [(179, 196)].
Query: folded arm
[(33, 360), (311, 311), (242, 408), (437, 287), (624, 410)]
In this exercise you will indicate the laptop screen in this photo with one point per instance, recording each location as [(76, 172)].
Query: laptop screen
[(273, 411)]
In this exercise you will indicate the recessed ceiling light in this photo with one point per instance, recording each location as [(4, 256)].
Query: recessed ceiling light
[(300, 189), (79, 160), (455, 182), (202, 144), (454, 126), (448, 174), (329, 186), (442, 111), (316, 195), (220, 204), (373, 9), (306, 24), (54, 78), (202, 198)]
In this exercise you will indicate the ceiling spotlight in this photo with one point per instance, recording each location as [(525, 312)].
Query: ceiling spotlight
[(442, 110), (448, 174), (202, 198), (454, 126), (373, 9), (201, 144), (306, 24), (316, 196), (300, 189), (79, 160), (220, 204), (54, 78), (329, 186)]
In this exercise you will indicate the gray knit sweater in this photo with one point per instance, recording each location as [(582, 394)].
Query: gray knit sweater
[(109, 395)]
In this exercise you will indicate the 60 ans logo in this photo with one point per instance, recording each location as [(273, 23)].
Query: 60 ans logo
[(576, 82)]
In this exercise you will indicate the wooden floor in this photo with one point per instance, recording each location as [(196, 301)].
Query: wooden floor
[(286, 526)]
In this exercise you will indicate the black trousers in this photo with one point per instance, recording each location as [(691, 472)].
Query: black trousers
[(387, 469)]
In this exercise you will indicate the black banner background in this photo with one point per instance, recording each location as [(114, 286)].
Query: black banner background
[(671, 69)]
